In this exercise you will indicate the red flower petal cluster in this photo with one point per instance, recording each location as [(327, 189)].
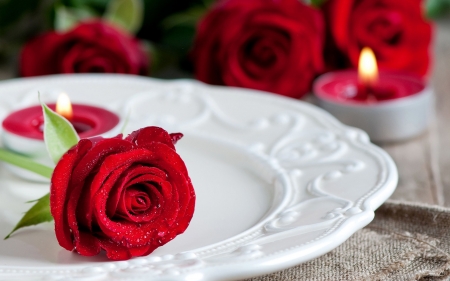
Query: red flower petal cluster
[(396, 31), (126, 196), (93, 46), (269, 45)]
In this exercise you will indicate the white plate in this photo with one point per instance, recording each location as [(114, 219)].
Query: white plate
[(278, 181)]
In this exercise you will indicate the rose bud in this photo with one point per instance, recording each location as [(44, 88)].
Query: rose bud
[(125, 196)]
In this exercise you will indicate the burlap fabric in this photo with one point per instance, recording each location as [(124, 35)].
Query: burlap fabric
[(404, 242)]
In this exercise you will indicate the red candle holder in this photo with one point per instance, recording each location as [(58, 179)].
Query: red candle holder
[(23, 131)]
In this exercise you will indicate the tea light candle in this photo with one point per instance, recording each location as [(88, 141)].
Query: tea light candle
[(389, 106), (23, 129)]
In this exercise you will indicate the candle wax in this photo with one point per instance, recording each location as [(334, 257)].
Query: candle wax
[(344, 86), (87, 120)]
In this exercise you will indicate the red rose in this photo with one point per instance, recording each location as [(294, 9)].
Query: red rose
[(89, 47), (126, 196), (270, 45), (395, 30)]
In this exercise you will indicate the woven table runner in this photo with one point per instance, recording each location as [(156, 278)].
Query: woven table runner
[(404, 242)]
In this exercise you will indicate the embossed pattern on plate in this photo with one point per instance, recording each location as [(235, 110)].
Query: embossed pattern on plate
[(278, 181)]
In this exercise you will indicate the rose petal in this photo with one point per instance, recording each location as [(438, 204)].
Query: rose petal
[(168, 194), (176, 137), (81, 171), (60, 189), (131, 173), (87, 244), (115, 251), (45, 63), (148, 135), (153, 212)]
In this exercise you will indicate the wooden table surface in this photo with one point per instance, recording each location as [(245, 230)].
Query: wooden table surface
[(423, 162)]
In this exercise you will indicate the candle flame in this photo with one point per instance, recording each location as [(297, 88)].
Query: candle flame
[(64, 106), (367, 67)]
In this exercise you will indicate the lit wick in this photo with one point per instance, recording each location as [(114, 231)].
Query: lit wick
[(64, 106), (80, 123), (370, 86), (367, 68)]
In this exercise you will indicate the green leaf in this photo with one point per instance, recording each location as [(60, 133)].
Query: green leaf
[(97, 5), (317, 3), (25, 163), (59, 134), (12, 10), (66, 18), (179, 38), (160, 57), (436, 8), (208, 3), (189, 17), (39, 213), (127, 14)]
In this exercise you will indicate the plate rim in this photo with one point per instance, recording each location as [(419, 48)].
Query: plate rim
[(267, 264)]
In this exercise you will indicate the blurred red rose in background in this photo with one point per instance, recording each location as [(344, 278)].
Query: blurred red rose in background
[(396, 31), (268, 45), (90, 47)]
